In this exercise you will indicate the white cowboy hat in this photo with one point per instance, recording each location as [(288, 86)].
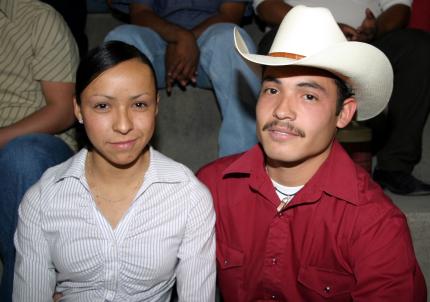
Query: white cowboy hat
[(311, 37)]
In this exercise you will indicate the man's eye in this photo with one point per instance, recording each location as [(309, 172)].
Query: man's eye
[(310, 97), (270, 91)]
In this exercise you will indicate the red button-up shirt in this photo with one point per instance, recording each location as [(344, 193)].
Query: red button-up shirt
[(339, 239)]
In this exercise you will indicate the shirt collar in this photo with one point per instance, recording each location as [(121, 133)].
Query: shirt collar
[(8, 8), (161, 168), (337, 175)]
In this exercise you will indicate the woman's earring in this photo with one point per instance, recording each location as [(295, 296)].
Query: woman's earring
[(80, 121)]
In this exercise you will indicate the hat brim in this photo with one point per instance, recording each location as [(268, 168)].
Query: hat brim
[(361, 65)]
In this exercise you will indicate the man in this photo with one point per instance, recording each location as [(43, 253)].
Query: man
[(297, 220), (397, 133), (191, 42), (38, 57)]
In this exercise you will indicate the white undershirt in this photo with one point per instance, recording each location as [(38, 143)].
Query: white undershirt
[(285, 193)]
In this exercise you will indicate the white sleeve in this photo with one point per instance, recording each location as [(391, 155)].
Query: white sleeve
[(196, 270), (34, 276)]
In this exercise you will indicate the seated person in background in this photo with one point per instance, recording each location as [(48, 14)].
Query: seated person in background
[(297, 220), (74, 13), (397, 134), (118, 221), (38, 60), (192, 42)]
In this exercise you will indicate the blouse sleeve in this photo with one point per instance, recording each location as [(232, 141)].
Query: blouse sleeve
[(34, 276), (196, 270)]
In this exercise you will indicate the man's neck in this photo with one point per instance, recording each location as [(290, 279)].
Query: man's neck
[(297, 173)]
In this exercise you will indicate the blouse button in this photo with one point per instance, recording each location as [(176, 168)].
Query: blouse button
[(225, 262), (327, 289)]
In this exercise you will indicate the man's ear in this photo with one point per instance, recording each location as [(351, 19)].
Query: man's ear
[(347, 113), (77, 110)]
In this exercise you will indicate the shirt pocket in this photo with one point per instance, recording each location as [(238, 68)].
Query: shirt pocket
[(230, 272), (320, 284)]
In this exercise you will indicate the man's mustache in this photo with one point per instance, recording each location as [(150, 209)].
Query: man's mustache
[(288, 125)]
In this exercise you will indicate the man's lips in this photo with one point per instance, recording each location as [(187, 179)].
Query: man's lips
[(283, 128), (282, 131)]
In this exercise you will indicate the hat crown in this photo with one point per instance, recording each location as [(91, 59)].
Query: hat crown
[(306, 31)]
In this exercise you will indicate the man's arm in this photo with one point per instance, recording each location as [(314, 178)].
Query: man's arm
[(273, 11), (53, 118), (383, 260)]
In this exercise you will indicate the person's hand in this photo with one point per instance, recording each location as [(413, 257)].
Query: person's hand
[(367, 29), (57, 296), (182, 59), (350, 32)]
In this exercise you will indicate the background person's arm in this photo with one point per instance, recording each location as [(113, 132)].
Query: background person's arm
[(55, 117), (273, 12), (228, 12), (182, 53), (395, 17)]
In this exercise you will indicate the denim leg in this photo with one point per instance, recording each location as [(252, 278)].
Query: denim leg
[(148, 42), (22, 162), (236, 86)]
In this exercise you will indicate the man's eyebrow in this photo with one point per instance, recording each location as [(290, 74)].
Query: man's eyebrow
[(312, 84), (271, 79)]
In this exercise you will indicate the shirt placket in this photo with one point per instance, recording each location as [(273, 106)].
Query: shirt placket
[(111, 269), (276, 245)]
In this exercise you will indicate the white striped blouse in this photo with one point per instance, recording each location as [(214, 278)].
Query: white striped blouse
[(65, 244)]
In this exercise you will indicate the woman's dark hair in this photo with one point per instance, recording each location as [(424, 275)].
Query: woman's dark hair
[(104, 57), (97, 61)]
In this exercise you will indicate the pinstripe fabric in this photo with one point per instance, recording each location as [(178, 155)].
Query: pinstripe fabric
[(35, 45), (64, 243)]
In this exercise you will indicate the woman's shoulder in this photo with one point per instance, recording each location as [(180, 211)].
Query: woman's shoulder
[(52, 176)]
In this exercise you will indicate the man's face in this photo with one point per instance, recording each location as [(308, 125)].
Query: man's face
[(296, 114)]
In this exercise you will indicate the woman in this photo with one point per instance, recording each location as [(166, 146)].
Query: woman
[(118, 221)]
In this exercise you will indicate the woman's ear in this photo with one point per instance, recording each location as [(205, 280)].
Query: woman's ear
[(157, 103), (77, 110), (347, 113)]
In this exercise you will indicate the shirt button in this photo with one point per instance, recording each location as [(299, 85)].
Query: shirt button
[(274, 260), (327, 289), (225, 262), (280, 214), (273, 297)]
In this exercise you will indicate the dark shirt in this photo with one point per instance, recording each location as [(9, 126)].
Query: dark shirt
[(340, 238), (185, 13)]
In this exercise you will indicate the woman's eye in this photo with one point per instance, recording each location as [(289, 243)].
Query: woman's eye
[(270, 90), (140, 105), (101, 106)]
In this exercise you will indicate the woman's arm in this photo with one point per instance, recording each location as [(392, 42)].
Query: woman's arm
[(34, 277), (196, 271)]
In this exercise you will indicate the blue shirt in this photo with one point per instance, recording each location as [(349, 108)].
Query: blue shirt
[(185, 13)]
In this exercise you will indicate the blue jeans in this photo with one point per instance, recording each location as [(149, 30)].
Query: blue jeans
[(221, 67), (22, 162)]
